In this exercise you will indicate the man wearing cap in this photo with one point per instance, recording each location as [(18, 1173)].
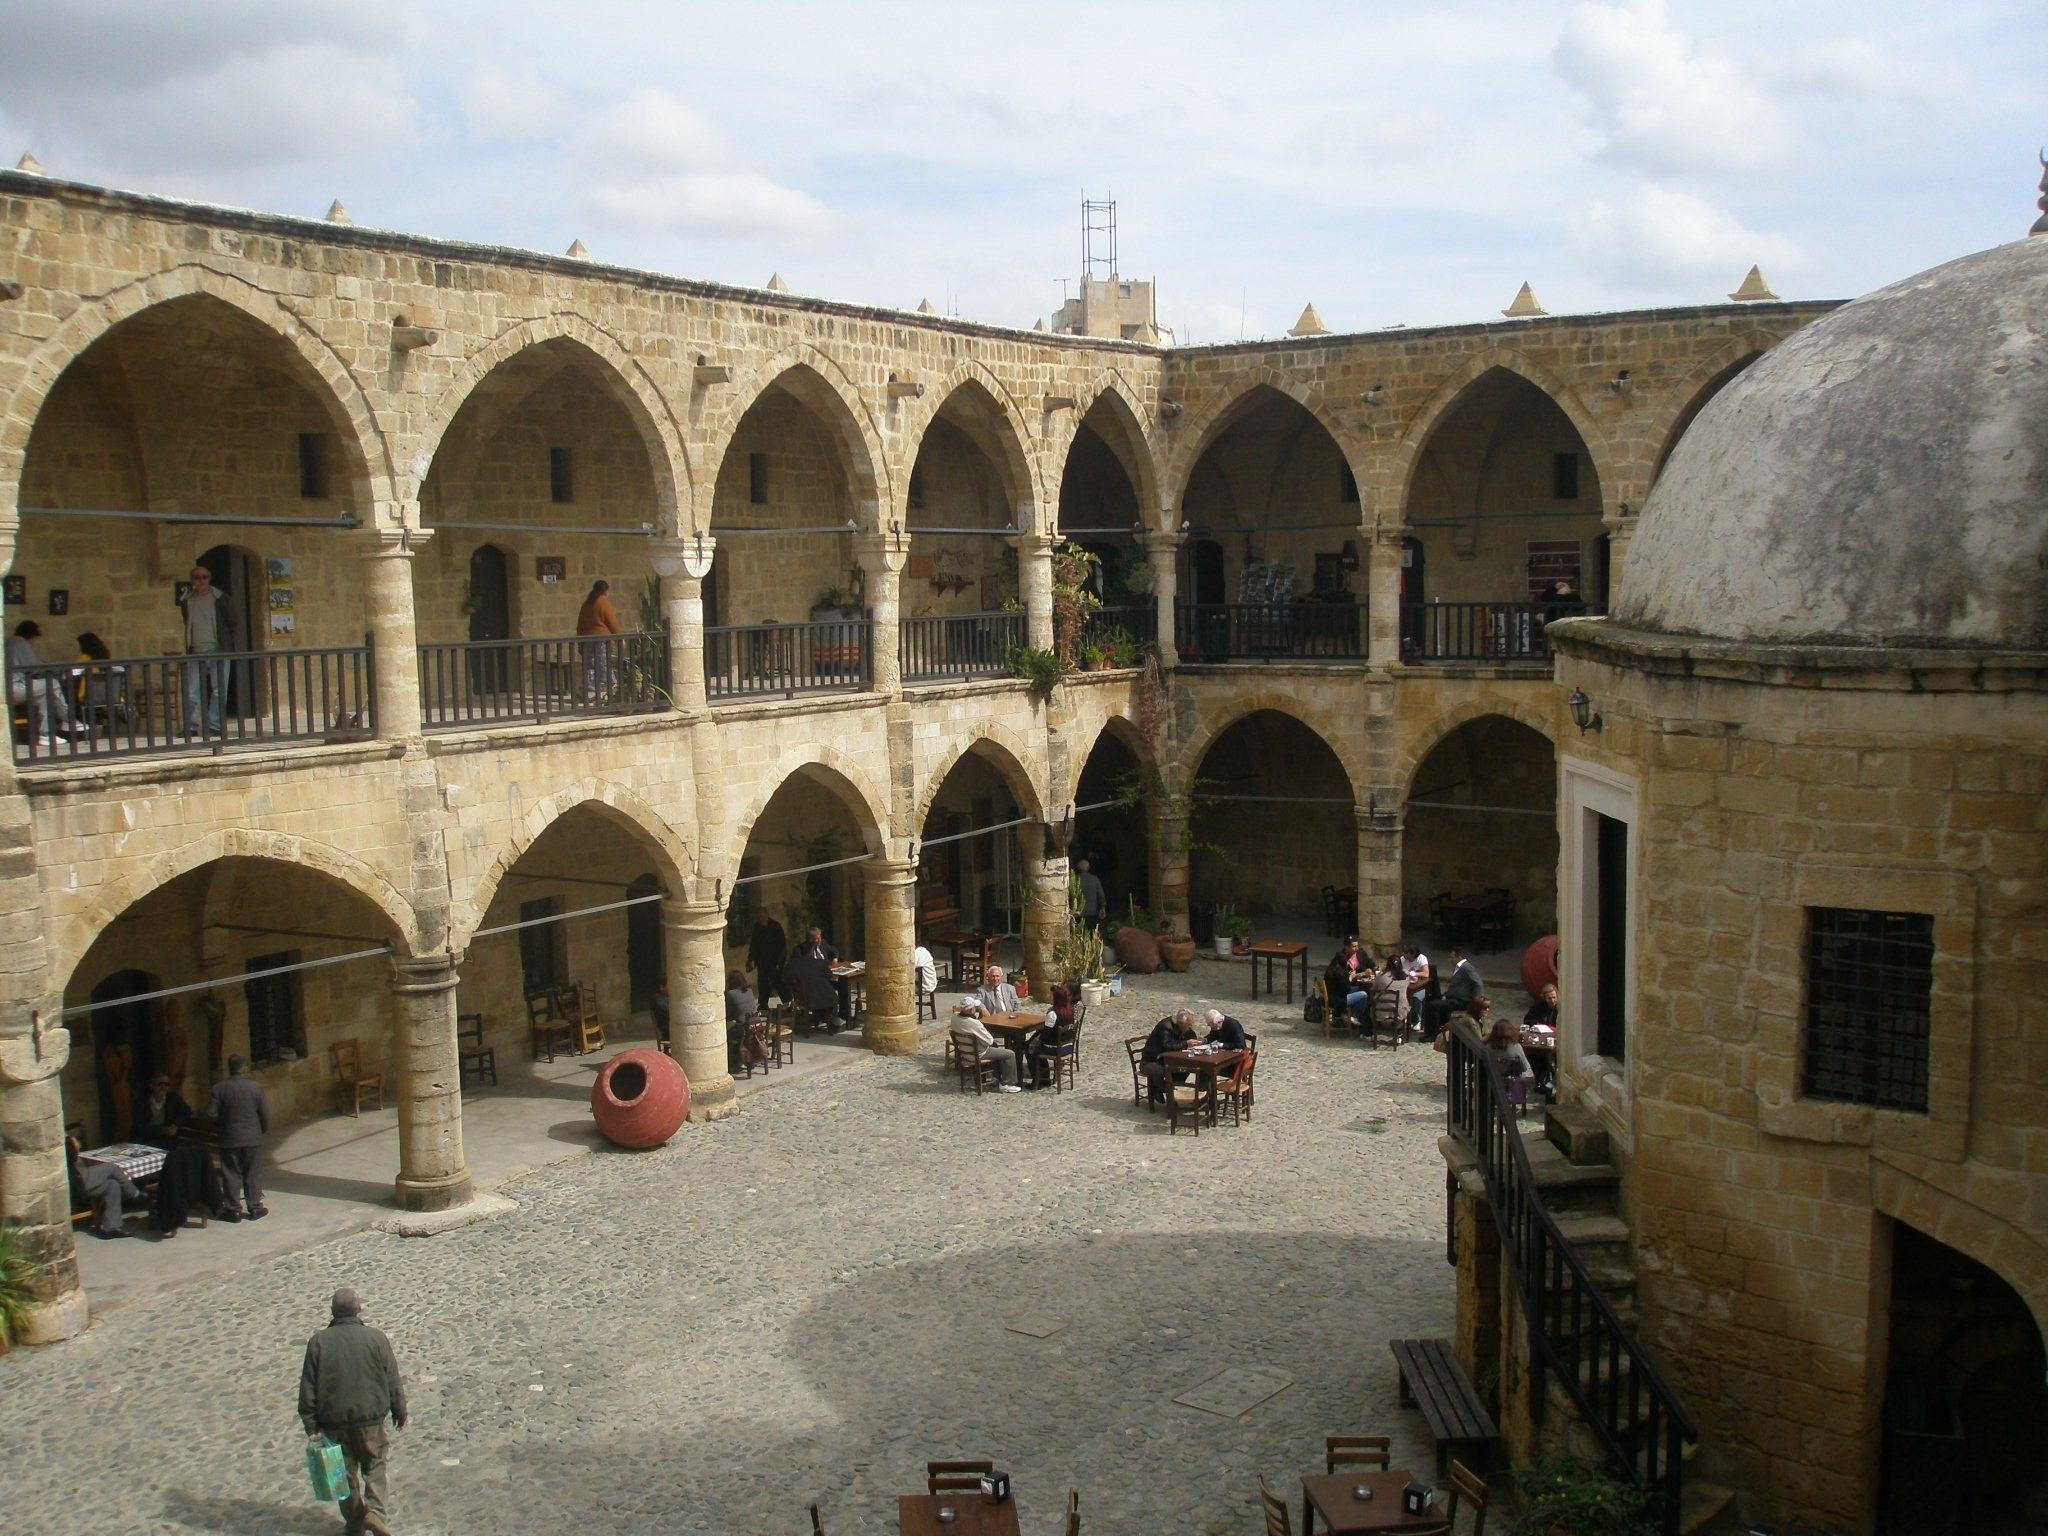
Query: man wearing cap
[(347, 1388)]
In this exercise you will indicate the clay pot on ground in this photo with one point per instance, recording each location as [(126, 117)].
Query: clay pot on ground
[(1539, 965), (641, 1098), (1177, 950), (1137, 950)]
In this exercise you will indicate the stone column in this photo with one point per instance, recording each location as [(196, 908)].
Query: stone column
[(682, 565), (1034, 585), (882, 556), (1163, 551), (432, 1175), (1166, 829), (1048, 918), (891, 1024), (1383, 598), (694, 932), (35, 1191), (394, 638), (1379, 872)]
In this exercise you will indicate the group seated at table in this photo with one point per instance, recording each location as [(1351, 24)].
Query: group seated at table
[(165, 1168), (1178, 1032), (1033, 1062)]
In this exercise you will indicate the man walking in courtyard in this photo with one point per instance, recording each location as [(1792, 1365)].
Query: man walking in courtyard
[(241, 1114), (348, 1386)]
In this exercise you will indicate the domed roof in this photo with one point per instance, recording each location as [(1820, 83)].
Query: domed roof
[(1881, 478)]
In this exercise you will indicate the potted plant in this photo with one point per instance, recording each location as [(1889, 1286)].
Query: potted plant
[(1240, 932), (17, 1290), (1094, 657), (1559, 1497), (1176, 950), (1226, 918), (833, 604)]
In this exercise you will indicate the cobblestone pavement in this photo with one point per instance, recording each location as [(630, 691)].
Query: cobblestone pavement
[(809, 1299)]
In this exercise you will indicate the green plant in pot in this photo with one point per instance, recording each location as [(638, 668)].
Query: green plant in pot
[(1040, 668), (1560, 1497), (17, 1287)]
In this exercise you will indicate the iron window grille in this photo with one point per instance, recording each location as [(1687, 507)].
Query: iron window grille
[(1869, 987)]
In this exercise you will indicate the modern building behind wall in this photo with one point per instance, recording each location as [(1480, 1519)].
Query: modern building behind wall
[(825, 527)]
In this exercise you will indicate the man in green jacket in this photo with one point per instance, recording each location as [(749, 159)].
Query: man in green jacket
[(347, 1388)]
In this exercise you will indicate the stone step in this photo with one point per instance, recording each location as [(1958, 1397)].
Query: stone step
[(1567, 1186), (1577, 1133), (1585, 1231), (1708, 1509)]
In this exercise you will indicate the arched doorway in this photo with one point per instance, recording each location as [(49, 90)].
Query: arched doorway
[(646, 958), (124, 1053), (1966, 1397), (800, 868), (1479, 839), (1109, 824), (970, 877), (1504, 503), (1274, 837), (1099, 510), (236, 577)]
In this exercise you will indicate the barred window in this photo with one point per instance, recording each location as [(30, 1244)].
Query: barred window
[(1869, 981), (274, 1019)]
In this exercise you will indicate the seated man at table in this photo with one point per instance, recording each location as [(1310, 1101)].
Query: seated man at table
[(1175, 1032), (1458, 995), (160, 1115), (996, 995), (808, 980), (1224, 1031), (972, 1039), (101, 1188)]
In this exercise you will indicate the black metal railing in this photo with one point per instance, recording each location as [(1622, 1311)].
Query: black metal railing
[(757, 661), (1496, 632), (935, 648), (1121, 633), (1573, 1328), (1270, 631), (482, 682), (143, 706)]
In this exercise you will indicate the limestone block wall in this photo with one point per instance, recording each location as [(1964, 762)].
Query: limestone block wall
[(779, 578), (1769, 785)]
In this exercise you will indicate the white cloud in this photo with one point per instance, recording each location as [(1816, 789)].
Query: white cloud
[(517, 104), (653, 164), (1863, 68), (1672, 241), (1660, 101)]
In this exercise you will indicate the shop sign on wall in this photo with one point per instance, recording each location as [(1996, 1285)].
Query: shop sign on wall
[(550, 568), (282, 597)]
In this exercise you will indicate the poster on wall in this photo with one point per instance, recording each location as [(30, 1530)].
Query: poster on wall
[(277, 568), (282, 623), (550, 569), (282, 603), (16, 588)]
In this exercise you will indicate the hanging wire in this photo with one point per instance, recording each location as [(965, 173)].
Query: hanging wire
[(220, 981)]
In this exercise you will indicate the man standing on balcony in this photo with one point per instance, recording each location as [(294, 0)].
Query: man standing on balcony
[(209, 631), (596, 623)]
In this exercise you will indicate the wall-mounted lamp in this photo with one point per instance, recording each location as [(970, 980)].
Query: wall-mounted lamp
[(1619, 383), (1584, 716)]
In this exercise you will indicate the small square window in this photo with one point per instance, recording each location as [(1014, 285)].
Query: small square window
[(1564, 473), (561, 476), (312, 466), (757, 479), (1869, 990), (274, 1017), (1347, 485)]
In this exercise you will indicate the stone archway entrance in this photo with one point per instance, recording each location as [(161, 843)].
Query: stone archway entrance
[(1479, 840), (1273, 833)]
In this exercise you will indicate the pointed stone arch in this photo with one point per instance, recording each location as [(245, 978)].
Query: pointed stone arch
[(1198, 435), (1691, 397), (1254, 700), (1394, 485), (1433, 735), (615, 369), (314, 360), (2020, 1260), (823, 387), (1009, 443), (1001, 749), (844, 779), (620, 805), (1138, 454)]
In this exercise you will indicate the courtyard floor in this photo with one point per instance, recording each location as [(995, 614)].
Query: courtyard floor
[(862, 1270)]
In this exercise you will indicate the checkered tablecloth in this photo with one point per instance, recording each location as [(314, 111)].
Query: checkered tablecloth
[(134, 1159)]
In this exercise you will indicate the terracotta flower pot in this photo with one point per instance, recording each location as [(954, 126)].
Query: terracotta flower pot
[(1137, 950), (640, 1099), (1539, 965), (1177, 950)]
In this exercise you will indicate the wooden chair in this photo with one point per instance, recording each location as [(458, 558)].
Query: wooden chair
[(955, 1476), (928, 1004), (1495, 928), (779, 1033), (1386, 1018), (1465, 1486), (547, 1024), (975, 960), (972, 1066), (579, 1007), (1080, 1018), (1374, 1452), (1189, 1102), (471, 1054), (1065, 1054), (1236, 1090), (1335, 1019), (1135, 1045), (1329, 895), (1278, 1523), (1073, 1512), (356, 1085)]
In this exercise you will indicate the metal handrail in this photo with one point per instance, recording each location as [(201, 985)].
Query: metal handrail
[(1573, 1327), (755, 661), (936, 647), (486, 682), (1503, 632), (1301, 628)]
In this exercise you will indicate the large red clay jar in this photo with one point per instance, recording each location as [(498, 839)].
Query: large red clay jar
[(1539, 965), (1137, 951), (640, 1098)]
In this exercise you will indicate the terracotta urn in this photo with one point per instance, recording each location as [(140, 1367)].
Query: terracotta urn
[(1177, 950), (1137, 950), (640, 1098), (1539, 965)]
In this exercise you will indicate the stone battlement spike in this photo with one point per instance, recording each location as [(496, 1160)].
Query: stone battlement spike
[(2041, 224)]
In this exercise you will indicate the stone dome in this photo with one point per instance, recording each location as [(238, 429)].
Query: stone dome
[(1879, 479)]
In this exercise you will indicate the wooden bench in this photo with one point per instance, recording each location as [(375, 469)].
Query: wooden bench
[(1432, 1380)]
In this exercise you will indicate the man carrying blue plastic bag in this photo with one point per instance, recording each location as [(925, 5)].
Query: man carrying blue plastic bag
[(348, 1387)]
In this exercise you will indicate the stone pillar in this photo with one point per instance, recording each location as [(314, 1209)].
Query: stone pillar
[(432, 1175), (694, 947), (891, 1024), (388, 615), (1166, 830), (682, 565), (1163, 551), (1048, 918), (1379, 872), (1383, 599), (882, 556), (1476, 1334), (35, 1191), (1034, 585)]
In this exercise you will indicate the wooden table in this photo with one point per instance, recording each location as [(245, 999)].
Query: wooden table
[(1017, 1031), (1205, 1065), (977, 1514), (958, 941), (1342, 1515), (1270, 950), (850, 976)]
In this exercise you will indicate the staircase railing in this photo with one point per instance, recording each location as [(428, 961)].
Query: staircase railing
[(1574, 1330)]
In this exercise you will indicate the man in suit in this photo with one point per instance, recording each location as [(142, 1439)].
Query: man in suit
[(162, 1114), (1461, 991), (241, 1113), (767, 949), (807, 979)]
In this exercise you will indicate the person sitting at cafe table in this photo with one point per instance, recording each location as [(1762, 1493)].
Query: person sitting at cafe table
[(1175, 1032), (808, 981), (1387, 979), (1045, 1046), (1346, 978), (741, 1008), (1543, 1010), (1504, 1045), (101, 1188), (996, 995), (971, 1038), (161, 1114), (1225, 1031)]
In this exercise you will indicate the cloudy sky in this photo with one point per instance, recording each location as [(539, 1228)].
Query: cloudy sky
[(1395, 162)]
